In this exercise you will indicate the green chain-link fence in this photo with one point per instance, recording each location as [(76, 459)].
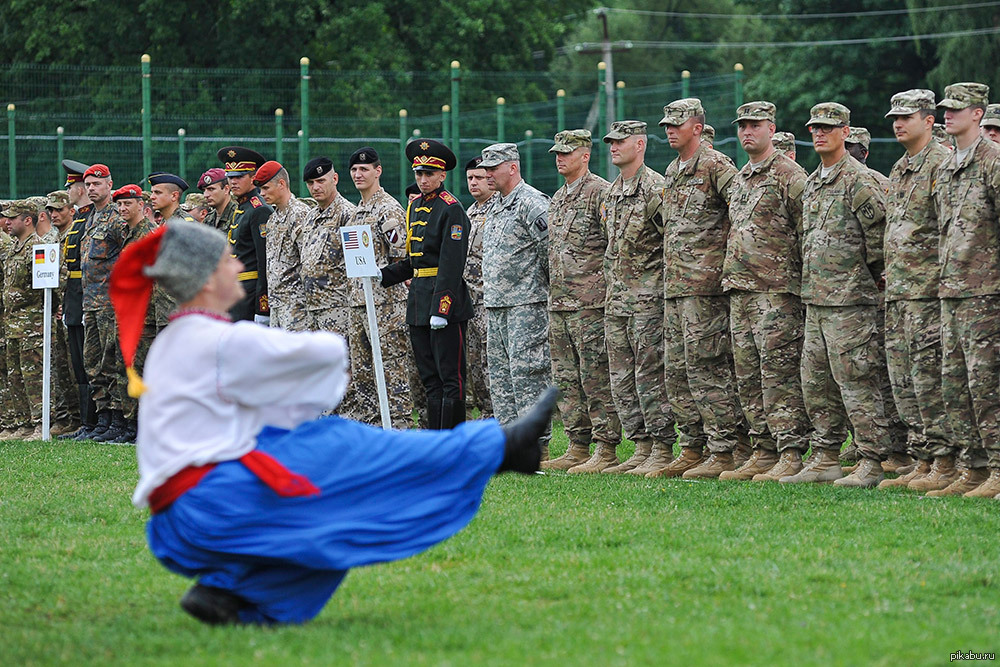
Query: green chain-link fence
[(95, 114)]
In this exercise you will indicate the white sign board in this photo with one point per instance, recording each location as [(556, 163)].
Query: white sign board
[(45, 266), (359, 251)]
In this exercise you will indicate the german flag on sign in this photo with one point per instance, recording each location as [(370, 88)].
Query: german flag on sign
[(39, 256)]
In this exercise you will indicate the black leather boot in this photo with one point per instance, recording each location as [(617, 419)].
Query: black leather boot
[(115, 430), (213, 606), (452, 413), (88, 416), (128, 434), (523, 451), (103, 422), (433, 413)]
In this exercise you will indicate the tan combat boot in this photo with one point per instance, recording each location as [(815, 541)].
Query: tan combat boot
[(62, 428), (36, 433), (660, 456), (988, 489), (850, 454), (943, 472), (687, 459), (868, 474), (759, 463), (716, 464), (789, 463), (822, 466), (574, 456), (604, 457), (922, 469), (896, 461), (22, 433), (967, 481), (743, 452), (642, 451)]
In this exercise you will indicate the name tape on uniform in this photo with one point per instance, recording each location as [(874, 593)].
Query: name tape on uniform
[(45, 266), (359, 251)]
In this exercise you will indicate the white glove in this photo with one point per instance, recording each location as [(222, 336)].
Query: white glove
[(438, 322), (263, 320)]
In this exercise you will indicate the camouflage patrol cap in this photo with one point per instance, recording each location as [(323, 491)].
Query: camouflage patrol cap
[(829, 113), (992, 116), (911, 101), (708, 133), (783, 141), (568, 141), (755, 111), (860, 135), (19, 207), (497, 154), (959, 96), (58, 199), (679, 111), (940, 134), (623, 129), (194, 200), (38, 201)]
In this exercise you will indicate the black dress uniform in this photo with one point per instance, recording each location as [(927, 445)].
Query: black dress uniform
[(247, 234), (437, 239), (72, 303)]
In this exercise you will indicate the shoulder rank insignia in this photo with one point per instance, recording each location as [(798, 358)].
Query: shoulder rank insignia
[(447, 197), (265, 307), (456, 232), (445, 305), (263, 229), (255, 200)]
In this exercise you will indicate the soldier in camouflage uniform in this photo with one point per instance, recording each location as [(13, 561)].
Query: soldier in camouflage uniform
[(943, 137), (989, 126), (577, 290), (785, 142), (324, 275), (8, 429), (196, 205), (478, 393), (516, 287), (633, 316), (66, 398), (102, 242), (698, 371), (913, 312), (708, 135), (965, 191), (23, 322), (215, 186), (843, 223), (284, 240), (762, 273), (387, 220)]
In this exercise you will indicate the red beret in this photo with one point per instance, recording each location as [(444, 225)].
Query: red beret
[(127, 192), (98, 170), (266, 172), (210, 177)]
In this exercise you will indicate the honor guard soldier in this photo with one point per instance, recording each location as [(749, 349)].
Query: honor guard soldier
[(72, 302), (438, 305), (247, 231)]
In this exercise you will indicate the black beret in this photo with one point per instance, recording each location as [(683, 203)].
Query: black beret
[(316, 167), (365, 155), (474, 163), (162, 177)]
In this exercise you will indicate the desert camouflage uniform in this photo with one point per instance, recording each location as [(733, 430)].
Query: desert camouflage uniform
[(284, 264), (965, 198), (102, 243), (6, 403), (913, 312), (763, 273), (324, 278), (633, 323), (843, 224), (516, 289), (477, 372), (698, 363), (23, 318), (577, 290), (222, 222), (386, 218)]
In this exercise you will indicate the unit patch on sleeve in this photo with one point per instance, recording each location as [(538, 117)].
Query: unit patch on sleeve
[(456, 232)]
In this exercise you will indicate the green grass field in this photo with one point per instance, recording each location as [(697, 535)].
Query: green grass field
[(555, 569)]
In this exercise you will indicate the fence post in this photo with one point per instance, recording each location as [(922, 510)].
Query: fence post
[(685, 83), (403, 136), (529, 166), (500, 128), (445, 123), (181, 154), (456, 138), (560, 110), (279, 137), (620, 94), (602, 119), (304, 113), (60, 174), (741, 156), (11, 151), (147, 113)]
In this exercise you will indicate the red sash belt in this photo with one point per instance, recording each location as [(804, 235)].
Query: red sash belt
[(268, 469)]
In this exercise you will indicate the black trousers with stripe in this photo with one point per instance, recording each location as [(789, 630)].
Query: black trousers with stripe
[(440, 358)]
